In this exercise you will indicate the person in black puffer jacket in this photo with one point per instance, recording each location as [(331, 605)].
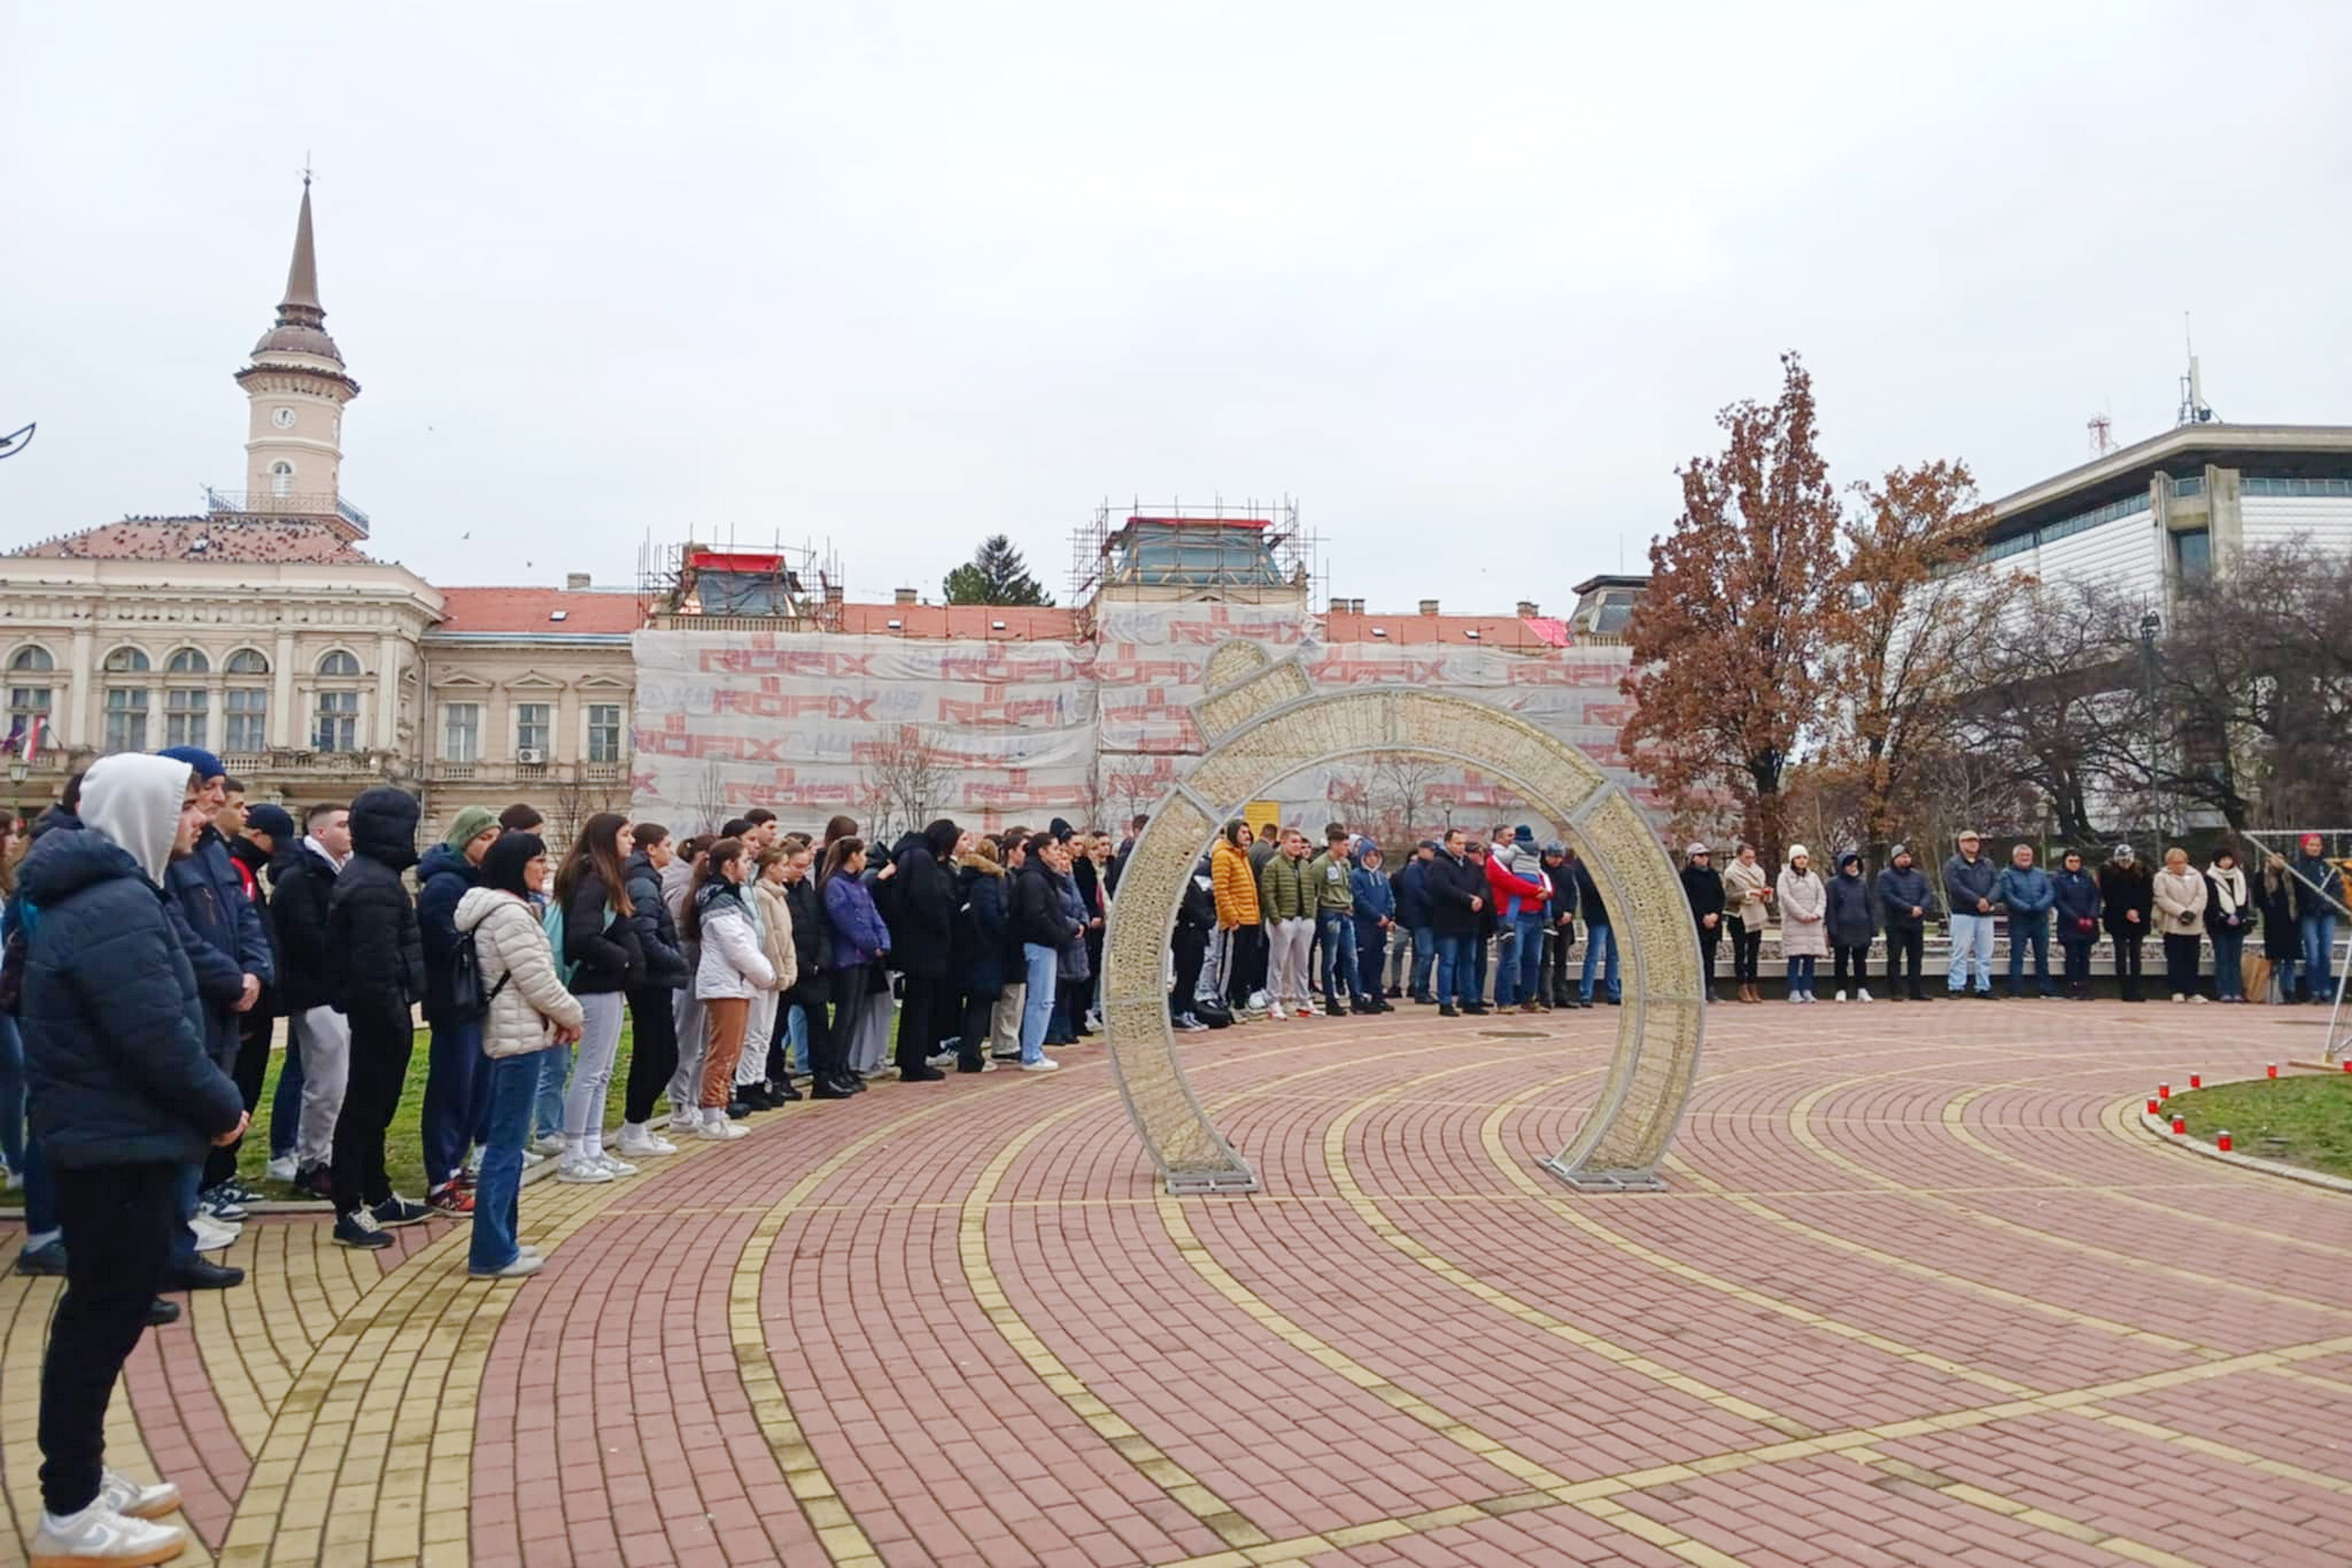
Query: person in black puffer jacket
[(318, 1037), (922, 917), (812, 948), (653, 1001), (982, 946), (601, 944), (375, 973), (457, 1077), (125, 1097)]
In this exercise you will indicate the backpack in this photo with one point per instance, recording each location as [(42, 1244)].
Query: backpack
[(1212, 1012), (889, 896), (468, 1002), (552, 922)]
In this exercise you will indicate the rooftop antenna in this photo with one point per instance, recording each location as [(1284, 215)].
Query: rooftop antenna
[(2194, 409), (2102, 435)]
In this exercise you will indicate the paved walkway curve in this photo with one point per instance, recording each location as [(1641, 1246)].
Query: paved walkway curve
[(1921, 1291)]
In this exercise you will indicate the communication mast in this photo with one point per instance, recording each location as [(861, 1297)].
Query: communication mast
[(2102, 435), (2194, 409)]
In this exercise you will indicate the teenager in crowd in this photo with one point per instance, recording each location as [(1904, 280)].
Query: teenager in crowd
[(653, 1000), (1853, 926), (375, 963), (859, 941), (448, 871), (600, 947), (731, 969)]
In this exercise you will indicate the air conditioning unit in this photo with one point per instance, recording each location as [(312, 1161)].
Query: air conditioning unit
[(532, 756)]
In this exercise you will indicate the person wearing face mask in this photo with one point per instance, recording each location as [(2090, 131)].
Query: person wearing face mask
[(126, 1098)]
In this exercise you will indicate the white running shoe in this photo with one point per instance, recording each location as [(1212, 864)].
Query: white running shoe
[(719, 1132), (618, 1168), (1864, 995), (526, 1264), (552, 1144), (533, 1157), (685, 1121), (1841, 996), (643, 1143), (940, 1059), (1257, 1002), (281, 1169), (582, 1170), (99, 1535), (1277, 1013), (118, 1493), (1044, 1064), (212, 1235)]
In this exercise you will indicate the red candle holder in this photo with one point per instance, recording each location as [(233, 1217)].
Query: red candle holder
[(2196, 1080), (2180, 1124), (2155, 1105), (2270, 1069), (2164, 1091), (2222, 1143)]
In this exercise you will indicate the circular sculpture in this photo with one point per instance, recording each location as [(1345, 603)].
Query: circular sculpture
[(1263, 722)]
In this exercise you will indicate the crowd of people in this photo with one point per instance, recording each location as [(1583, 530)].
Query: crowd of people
[(2123, 902), (157, 926)]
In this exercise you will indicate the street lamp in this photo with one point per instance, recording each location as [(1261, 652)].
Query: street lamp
[(18, 770)]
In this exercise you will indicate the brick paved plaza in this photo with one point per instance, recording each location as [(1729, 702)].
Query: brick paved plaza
[(1922, 1292)]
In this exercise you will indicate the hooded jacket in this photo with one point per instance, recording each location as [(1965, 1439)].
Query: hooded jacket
[(775, 930), (922, 915), (517, 970), (2025, 891), (2076, 897), (1852, 915), (598, 941), (983, 927), (252, 867), (1513, 889), (223, 932), (1038, 918), (301, 880), (2123, 888), (812, 936), (1900, 890), (1413, 894), (375, 952), (1074, 962), (732, 963), (1376, 900), (1235, 883), (1965, 882), (444, 876), (115, 1051), (649, 918), (1453, 881)]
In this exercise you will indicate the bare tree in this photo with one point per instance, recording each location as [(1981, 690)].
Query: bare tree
[(578, 798), (904, 782), (709, 802)]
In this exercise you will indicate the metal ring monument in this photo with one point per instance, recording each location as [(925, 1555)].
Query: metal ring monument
[(1263, 721)]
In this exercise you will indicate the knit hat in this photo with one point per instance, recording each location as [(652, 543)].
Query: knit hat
[(1428, 844), (2312, 842), (468, 823), (2121, 855), (1553, 846), (1796, 850), (1697, 850), (201, 762), (1523, 835), (1899, 852), (1059, 829), (273, 820)]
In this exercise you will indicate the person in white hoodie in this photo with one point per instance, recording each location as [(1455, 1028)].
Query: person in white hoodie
[(729, 971), (527, 1011), (686, 1082)]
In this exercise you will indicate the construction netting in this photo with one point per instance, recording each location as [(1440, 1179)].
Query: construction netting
[(893, 730)]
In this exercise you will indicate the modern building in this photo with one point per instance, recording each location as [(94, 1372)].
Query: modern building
[(2179, 506)]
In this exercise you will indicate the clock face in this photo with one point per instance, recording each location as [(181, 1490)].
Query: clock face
[(283, 418)]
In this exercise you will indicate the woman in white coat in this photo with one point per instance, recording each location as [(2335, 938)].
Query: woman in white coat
[(528, 1011), (2180, 896), (731, 970), (1803, 922), (774, 916)]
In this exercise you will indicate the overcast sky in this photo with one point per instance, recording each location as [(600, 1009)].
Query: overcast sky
[(1468, 281)]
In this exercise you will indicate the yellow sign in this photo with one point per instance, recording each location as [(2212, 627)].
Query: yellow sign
[(1262, 813)]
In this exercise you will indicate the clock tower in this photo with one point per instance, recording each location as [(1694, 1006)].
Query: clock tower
[(298, 388)]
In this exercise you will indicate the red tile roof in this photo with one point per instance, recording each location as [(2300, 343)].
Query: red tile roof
[(1494, 631), (975, 621), (520, 611), (242, 540)]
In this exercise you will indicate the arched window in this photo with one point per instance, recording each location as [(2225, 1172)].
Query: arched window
[(127, 661), (188, 662), (338, 665), (281, 478), (247, 661), (32, 659), (30, 701)]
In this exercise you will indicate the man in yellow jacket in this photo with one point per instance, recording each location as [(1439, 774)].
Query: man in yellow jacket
[(1240, 940)]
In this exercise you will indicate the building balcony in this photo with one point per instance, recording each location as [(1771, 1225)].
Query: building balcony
[(324, 504), (440, 773)]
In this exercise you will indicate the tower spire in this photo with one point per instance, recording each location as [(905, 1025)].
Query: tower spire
[(301, 305)]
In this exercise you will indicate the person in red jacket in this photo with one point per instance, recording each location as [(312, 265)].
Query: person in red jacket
[(1518, 890)]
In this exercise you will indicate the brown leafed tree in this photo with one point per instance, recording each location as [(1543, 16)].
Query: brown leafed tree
[(1727, 642), (1903, 614)]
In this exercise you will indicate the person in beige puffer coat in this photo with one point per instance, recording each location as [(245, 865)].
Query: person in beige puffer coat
[(1803, 921), (528, 1012)]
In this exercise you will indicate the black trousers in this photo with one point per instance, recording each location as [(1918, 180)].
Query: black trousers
[(2077, 951), (850, 988), (1188, 948), (1245, 969), (652, 1050), (2128, 960), (119, 1222), (1560, 939), (1845, 959), (979, 1012), (1710, 941), (2181, 954), (809, 995), (379, 1066), (925, 1013), (1745, 946), (253, 1036), (1905, 942)]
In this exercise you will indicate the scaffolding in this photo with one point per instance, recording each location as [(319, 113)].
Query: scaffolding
[(711, 583), (1246, 553)]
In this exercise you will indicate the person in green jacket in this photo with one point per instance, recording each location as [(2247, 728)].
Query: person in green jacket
[(1332, 877), (1289, 906)]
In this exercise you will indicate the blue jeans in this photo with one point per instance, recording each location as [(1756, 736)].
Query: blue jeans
[(449, 1109), (1530, 924), (514, 1089), (2027, 931), (1598, 939), (1037, 1006), (1800, 976), (1340, 979), (554, 1067), (2229, 949), (1972, 943), (1477, 968), (1506, 960), (2319, 941), (12, 1094), (285, 1106), (191, 1182), (1456, 983), (1424, 959), (796, 1040)]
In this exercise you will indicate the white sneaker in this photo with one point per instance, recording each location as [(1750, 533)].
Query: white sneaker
[(99, 1535), (2178, 997), (1191, 1025), (1277, 1013), (719, 1132), (2200, 1001), (582, 1170), (1044, 1064), (1864, 996), (618, 1168), (1841, 996), (118, 1493), (212, 1235), (533, 1157), (281, 1169), (526, 1264), (940, 1059), (551, 1144), (643, 1143), (1257, 1002)]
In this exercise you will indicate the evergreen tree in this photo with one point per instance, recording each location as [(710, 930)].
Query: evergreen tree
[(995, 575)]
